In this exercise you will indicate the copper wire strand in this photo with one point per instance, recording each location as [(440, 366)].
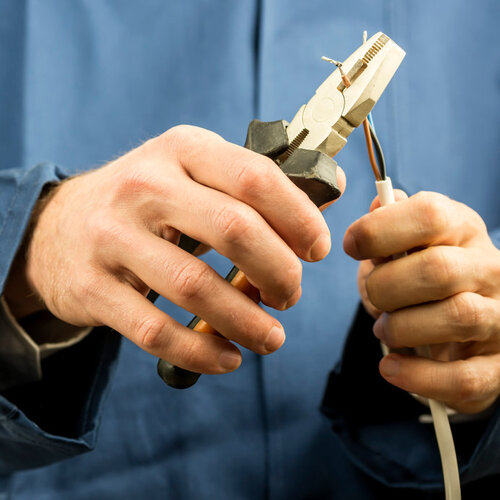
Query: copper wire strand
[(366, 126), (371, 154)]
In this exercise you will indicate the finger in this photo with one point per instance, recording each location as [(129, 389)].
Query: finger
[(468, 386), (195, 286), (131, 314), (464, 317), (433, 273), (424, 219), (256, 181), (201, 249), (341, 179), (238, 232), (399, 195), (365, 268)]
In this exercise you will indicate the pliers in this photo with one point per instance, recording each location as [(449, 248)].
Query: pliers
[(304, 148)]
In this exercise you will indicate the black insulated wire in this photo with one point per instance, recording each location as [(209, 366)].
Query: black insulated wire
[(379, 152)]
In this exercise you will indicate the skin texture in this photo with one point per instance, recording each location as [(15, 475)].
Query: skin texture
[(445, 292), (102, 240)]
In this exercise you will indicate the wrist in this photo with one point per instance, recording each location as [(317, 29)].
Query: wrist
[(20, 293)]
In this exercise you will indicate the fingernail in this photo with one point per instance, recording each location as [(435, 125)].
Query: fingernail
[(275, 339), (390, 367), (229, 360), (379, 330), (320, 248)]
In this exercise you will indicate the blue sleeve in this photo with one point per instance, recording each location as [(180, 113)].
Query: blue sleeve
[(19, 191), (377, 424), (55, 418)]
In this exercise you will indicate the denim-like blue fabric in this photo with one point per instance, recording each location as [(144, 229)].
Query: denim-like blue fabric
[(84, 81)]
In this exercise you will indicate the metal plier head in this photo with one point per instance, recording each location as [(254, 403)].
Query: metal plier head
[(304, 148), (336, 110)]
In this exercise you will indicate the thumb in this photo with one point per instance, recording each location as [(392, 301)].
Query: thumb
[(399, 195)]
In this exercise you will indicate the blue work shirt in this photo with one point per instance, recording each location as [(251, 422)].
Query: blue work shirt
[(84, 81)]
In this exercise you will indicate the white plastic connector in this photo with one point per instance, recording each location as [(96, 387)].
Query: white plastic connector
[(438, 409), (385, 191)]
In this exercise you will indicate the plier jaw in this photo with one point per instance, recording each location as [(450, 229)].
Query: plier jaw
[(336, 110)]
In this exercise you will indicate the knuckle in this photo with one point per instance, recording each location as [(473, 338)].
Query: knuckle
[(495, 270), (372, 290), (438, 268), (311, 227), (174, 138), (142, 184), (464, 311), (189, 353), (284, 284), (293, 275), (193, 280), (232, 224), (187, 141), (470, 385), (288, 280), (433, 209), (104, 230), (471, 219), (151, 333), (133, 182), (87, 287), (256, 176)]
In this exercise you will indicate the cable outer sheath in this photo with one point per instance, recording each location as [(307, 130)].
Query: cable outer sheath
[(440, 418)]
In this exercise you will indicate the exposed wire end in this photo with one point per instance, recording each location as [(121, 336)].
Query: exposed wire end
[(344, 77), (333, 61), (371, 154)]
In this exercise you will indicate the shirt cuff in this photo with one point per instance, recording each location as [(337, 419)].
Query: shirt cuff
[(21, 353)]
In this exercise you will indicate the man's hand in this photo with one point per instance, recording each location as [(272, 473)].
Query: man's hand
[(105, 238), (445, 292)]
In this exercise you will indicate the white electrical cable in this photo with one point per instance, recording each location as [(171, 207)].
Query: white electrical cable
[(438, 408)]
